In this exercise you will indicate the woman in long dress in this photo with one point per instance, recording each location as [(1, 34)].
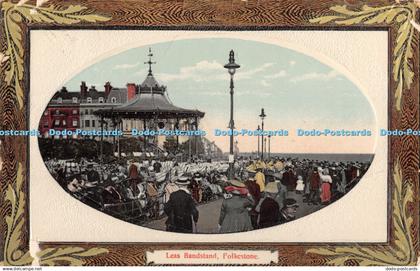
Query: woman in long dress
[(234, 214), (326, 181)]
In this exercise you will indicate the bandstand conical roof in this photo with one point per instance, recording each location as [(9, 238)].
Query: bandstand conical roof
[(151, 102)]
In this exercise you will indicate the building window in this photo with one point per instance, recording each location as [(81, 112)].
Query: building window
[(46, 124), (93, 123), (101, 100), (91, 112), (87, 112), (64, 122), (74, 123), (60, 100), (57, 123), (89, 100), (46, 113), (57, 112), (87, 123), (74, 112), (113, 100), (75, 100)]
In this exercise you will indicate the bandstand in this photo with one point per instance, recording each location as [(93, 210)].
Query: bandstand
[(153, 110)]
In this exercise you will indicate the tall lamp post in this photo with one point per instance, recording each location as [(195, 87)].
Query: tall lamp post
[(258, 152), (262, 116), (269, 146), (265, 146), (231, 67)]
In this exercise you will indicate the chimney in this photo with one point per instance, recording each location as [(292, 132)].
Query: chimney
[(83, 89), (108, 88), (131, 91)]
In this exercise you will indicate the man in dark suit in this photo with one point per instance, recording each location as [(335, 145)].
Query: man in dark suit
[(290, 179), (181, 209), (269, 209), (315, 183)]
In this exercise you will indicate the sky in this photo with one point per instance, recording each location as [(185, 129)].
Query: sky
[(295, 90)]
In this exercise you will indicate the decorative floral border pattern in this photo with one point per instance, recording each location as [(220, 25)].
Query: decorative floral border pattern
[(16, 198), (13, 256), (12, 64), (13, 14), (401, 252), (401, 14)]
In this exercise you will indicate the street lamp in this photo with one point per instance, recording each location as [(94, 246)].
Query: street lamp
[(265, 145), (258, 136), (269, 146), (262, 116), (231, 67)]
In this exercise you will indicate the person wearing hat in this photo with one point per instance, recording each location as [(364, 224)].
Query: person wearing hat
[(326, 182), (234, 213), (335, 180), (289, 178), (92, 175), (194, 187), (307, 179), (153, 197), (254, 190), (314, 185), (133, 171), (279, 166), (260, 179), (137, 193), (170, 188), (180, 209), (269, 209), (288, 212), (281, 188), (341, 179)]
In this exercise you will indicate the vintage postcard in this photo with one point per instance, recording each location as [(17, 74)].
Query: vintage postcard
[(209, 133)]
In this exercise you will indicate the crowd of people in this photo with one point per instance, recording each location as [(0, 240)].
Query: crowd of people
[(136, 190), (319, 182), (261, 194)]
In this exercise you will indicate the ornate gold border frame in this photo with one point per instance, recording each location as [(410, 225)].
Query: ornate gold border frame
[(399, 18)]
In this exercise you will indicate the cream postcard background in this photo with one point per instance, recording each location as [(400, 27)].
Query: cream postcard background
[(360, 216)]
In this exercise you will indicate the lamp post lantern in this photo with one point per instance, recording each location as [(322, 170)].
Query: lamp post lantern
[(231, 67), (262, 116)]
